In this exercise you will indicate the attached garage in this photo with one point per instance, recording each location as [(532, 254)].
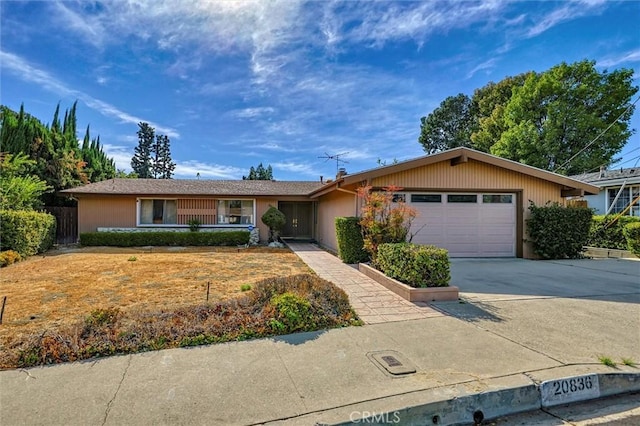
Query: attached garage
[(472, 203), (466, 224)]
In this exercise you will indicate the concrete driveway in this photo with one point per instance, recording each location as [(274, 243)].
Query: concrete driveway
[(572, 311)]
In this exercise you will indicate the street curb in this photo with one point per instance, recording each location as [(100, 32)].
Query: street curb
[(460, 410)]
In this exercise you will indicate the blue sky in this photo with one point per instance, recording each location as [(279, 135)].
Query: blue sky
[(237, 83)]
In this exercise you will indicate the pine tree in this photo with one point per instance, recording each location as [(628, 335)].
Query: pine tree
[(163, 166), (141, 161), (152, 157), (259, 173)]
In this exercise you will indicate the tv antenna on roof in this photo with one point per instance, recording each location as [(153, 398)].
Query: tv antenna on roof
[(336, 157)]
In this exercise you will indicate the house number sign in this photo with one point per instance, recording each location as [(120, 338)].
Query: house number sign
[(570, 389)]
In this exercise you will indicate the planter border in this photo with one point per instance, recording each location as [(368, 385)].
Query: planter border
[(428, 294)]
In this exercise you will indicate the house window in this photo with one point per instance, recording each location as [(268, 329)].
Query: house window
[(399, 198), (462, 198), (158, 212), (426, 198), (627, 195), (235, 212), (497, 199)]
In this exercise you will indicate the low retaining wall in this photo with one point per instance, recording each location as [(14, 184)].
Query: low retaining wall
[(608, 253), (428, 294)]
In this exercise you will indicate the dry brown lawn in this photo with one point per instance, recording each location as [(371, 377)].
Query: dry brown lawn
[(65, 285)]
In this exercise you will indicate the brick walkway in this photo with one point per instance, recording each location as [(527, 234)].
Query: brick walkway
[(372, 302)]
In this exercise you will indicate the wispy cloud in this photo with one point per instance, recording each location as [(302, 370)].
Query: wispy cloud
[(631, 56), (191, 169), (568, 11), (252, 112), (29, 73), (303, 168), (486, 65)]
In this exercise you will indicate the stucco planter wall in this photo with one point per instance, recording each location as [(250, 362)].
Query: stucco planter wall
[(429, 294)]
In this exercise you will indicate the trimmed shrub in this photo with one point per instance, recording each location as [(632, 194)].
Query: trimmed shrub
[(607, 231), (631, 232), (137, 239), (27, 232), (9, 257), (350, 243), (415, 265), (558, 232), (275, 220)]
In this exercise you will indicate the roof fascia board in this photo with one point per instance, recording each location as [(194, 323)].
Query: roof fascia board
[(462, 153)]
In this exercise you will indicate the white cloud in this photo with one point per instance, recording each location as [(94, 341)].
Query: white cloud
[(486, 65), (31, 74), (120, 154), (252, 112), (568, 11), (294, 167), (627, 57), (190, 170)]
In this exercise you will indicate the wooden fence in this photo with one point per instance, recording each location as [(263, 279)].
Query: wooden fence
[(67, 223)]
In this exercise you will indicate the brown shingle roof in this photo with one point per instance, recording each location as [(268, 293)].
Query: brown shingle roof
[(196, 187)]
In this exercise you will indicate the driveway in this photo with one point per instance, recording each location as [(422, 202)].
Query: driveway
[(570, 310)]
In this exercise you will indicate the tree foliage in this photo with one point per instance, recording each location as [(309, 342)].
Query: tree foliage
[(18, 189), (383, 220), (448, 126), (53, 150), (259, 173), (541, 119), (152, 156)]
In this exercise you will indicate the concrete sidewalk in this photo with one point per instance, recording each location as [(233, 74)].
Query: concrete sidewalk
[(325, 377)]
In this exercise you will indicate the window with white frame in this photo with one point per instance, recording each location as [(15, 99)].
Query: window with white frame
[(236, 212), (158, 212), (627, 195)]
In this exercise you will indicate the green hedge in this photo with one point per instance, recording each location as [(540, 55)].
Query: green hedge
[(631, 232), (27, 232), (607, 231), (350, 244), (136, 239), (415, 265), (558, 232)]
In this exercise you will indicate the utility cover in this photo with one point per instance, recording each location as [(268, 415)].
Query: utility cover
[(393, 362)]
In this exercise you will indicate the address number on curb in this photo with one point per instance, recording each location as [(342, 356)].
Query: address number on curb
[(570, 389)]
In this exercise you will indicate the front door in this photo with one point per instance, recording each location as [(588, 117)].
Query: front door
[(299, 219)]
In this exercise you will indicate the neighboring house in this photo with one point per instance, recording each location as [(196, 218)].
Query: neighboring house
[(472, 203), (611, 198)]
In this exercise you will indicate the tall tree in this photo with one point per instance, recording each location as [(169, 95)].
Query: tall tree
[(554, 115), (541, 119), (53, 151), (152, 157), (488, 105), (164, 166), (448, 126), (259, 173), (141, 163)]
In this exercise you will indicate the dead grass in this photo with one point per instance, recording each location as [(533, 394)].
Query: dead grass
[(64, 286)]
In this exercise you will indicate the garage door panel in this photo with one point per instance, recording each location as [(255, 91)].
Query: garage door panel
[(480, 229)]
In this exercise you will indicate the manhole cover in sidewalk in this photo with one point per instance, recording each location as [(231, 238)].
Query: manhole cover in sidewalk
[(392, 362)]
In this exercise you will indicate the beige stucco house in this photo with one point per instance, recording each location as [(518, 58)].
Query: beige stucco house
[(472, 203)]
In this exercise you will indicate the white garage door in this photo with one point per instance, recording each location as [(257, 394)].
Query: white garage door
[(468, 225)]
